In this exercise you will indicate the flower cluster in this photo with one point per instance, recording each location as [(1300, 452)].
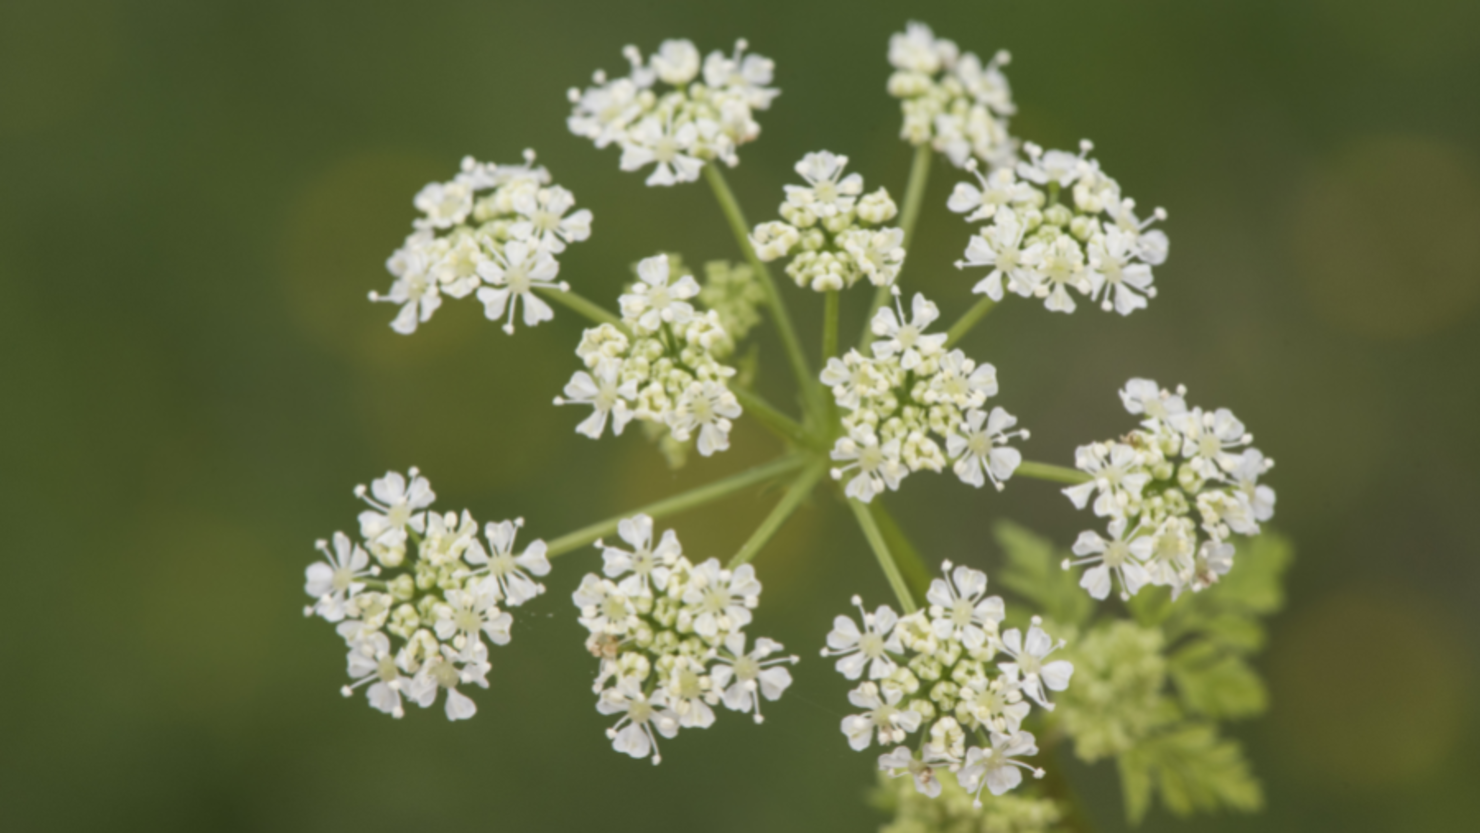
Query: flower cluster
[(733, 293), (910, 389), (661, 366), (836, 230), (493, 228), (417, 626), (1042, 247), (678, 130), (951, 100), (947, 673), (671, 640), (1150, 483)]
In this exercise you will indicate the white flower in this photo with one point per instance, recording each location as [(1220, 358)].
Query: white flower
[(917, 50), (1000, 247), (1060, 266), (1144, 396), (877, 465), (606, 394), (655, 299), (1214, 560), (996, 190), (961, 382), (445, 204), (851, 378), (690, 692), (745, 678), (883, 716), (448, 537), (708, 406), (1172, 550), (336, 579), (515, 273), (415, 289), (396, 504), (604, 608), (466, 613), (1028, 661), (1207, 439), (1116, 556), (641, 715), (646, 564), (774, 239), (1112, 270), (1150, 246), (510, 572), (1245, 477), (903, 762), (441, 672), (745, 76), (870, 647), (378, 667), (961, 610), (1118, 477), (996, 703), (909, 341), (982, 449), (676, 62), (1056, 166), (878, 254), (825, 195), (997, 769), (667, 146), (719, 600), (546, 222)]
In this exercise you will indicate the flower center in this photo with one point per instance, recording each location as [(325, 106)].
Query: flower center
[(747, 669), (467, 620), (517, 279), (871, 645), (961, 613)]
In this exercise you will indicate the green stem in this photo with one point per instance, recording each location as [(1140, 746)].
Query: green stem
[(914, 197), (1052, 473), (916, 575), (875, 538), (968, 320), (799, 490), (776, 422), (789, 341), (678, 503), (830, 326), (583, 306)]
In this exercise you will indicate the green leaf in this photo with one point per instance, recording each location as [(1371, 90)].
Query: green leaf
[(1033, 570), (1214, 683), (1226, 612), (1192, 769)]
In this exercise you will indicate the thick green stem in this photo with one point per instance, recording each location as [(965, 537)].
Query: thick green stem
[(778, 423), (875, 538), (1055, 474), (914, 197), (687, 500), (799, 490), (741, 228), (583, 306), (830, 326), (968, 320)]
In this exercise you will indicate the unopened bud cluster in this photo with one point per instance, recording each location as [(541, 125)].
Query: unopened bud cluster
[(671, 640), (835, 230), (662, 365), (1059, 223), (1174, 491), (664, 114), (911, 397), (953, 101), (946, 674), (492, 228), (415, 624)]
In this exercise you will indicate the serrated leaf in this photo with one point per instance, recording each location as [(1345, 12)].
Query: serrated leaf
[(1032, 570), (1214, 683), (1192, 770)]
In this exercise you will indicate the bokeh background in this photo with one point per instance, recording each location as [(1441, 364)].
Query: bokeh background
[(196, 196)]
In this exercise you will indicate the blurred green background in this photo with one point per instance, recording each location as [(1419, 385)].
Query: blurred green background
[(195, 198)]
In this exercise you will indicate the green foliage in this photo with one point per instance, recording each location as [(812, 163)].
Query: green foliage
[(1032, 569), (1216, 683), (1114, 699), (1192, 769), (953, 811)]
